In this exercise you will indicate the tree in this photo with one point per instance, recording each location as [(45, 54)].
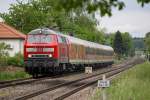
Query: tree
[(127, 43), (3, 49), (148, 34), (104, 6), (118, 44), (3, 53), (147, 42), (109, 39), (31, 15), (26, 16)]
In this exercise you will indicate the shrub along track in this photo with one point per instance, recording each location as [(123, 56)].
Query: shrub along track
[(66, 89)]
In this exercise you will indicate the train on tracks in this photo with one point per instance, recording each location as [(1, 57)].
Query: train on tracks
[(47, 51)]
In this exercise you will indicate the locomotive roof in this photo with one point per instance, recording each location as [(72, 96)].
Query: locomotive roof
[(72, 39), (42, 31)]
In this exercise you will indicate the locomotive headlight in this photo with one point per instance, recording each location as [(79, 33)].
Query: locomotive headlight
[(29, 56), (48, 49), (50, 55), (31, 49)]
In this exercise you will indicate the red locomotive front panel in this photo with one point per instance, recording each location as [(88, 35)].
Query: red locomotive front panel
[(41, 45), (40, 51)]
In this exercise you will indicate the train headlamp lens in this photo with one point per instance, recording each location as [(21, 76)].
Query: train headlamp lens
[(29, 56), (50, 55)]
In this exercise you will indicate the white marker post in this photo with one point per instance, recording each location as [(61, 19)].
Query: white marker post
[(88, 70), (103, 84)]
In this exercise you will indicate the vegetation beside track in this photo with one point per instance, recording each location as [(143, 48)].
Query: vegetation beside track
[(13, 75), (130, 85), (12, 72)]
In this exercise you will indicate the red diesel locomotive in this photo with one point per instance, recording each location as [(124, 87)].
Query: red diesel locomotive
[(47, 51)]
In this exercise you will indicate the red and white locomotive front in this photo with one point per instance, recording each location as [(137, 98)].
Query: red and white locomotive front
[(40, 51)]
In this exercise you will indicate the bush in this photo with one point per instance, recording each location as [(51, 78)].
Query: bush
[(13, 75), (4, 53), (17, 60), (3, 61)]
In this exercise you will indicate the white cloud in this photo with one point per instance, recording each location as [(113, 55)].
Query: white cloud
[(135, 22), (5, 4)]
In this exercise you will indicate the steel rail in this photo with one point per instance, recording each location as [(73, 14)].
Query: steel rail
[(10, 83), (15, 80)]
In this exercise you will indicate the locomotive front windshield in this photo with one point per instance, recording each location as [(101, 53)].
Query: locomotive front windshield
[(41, 38)]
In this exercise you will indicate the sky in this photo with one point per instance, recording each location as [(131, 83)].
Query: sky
[(133, 18)]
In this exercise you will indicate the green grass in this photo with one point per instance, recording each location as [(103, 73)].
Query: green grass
[(133, 84), (13, 75)]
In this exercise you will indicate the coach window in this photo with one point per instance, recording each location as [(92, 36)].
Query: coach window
[(97, 51), (63, 39), (90, 50), (59, 39), (104, 52), (101, 52), (87, 50)]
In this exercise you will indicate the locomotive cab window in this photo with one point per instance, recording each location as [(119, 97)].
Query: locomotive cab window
[(41, 38)]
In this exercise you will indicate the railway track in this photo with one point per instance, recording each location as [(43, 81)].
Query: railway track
[(9, 83), (63, 90), (4, 84)]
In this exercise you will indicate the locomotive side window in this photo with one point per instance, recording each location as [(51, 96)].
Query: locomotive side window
[(61, 39)]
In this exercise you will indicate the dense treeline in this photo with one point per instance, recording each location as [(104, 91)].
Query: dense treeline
[(26, 16), (122, 42), (139, 44)]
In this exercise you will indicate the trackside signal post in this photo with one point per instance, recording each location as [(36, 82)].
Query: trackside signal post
[(104, 83)]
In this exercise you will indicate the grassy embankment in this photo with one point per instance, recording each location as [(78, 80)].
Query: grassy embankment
[(133, 84), (11, 73)]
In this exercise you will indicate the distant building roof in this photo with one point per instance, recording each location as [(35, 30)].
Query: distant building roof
[(8, 32)]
